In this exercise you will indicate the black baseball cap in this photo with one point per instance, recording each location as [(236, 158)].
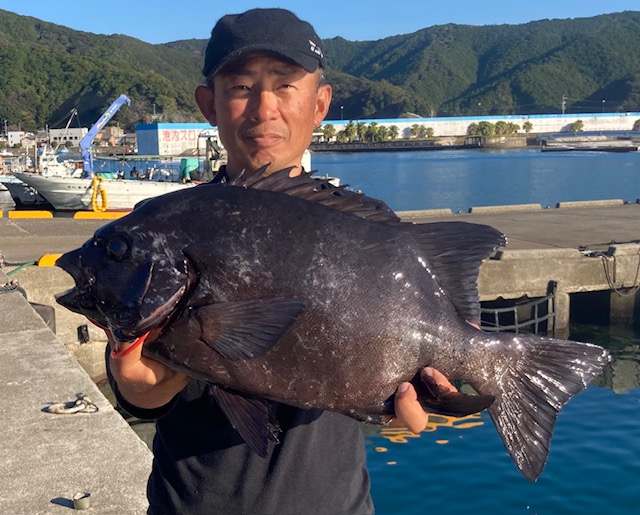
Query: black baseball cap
[(276, 31)]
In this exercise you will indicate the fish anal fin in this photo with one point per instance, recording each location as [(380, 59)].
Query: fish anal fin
[(246, 329), (249, 416)]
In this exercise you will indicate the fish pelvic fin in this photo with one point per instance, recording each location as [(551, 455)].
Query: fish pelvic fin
[(246, 329), (251, 417), (532, 390)]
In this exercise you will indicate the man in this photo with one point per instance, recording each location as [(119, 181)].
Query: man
[(265, 92)]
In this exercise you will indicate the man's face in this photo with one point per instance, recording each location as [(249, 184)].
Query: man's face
[(265, 110)]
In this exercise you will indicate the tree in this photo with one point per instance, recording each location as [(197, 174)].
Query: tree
[(527, 126), (636, 125), (329, 131), (350, 131), (342, 137), (577, 126), (371, 133), (486, 129), (394, 131), (415, 130), (361, 130)]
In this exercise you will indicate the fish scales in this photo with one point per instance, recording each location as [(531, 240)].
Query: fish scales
[(326, 303)]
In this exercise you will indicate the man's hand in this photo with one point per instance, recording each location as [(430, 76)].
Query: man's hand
[(144, 382), (409, 412)]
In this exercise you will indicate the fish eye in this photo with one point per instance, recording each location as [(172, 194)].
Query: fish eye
[(117, 247)]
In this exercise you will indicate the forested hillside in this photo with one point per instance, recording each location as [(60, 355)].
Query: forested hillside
[(591, 63)]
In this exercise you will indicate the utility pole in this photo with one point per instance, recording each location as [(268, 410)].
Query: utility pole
[(564, 103)]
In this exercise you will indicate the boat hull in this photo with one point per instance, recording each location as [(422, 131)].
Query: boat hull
[(73, 194)]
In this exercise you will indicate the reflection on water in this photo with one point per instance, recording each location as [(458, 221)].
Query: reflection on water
[(623, 342)]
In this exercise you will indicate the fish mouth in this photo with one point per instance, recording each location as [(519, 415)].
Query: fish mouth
[(152, 325), (82, 299)]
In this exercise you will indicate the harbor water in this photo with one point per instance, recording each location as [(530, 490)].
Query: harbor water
[(460, 467), (461, 179)]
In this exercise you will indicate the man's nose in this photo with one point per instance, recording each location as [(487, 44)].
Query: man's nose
[(265, 105)]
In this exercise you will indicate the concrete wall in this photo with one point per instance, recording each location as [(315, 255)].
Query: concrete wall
[(41, 285), (518, 273), (542, 123)]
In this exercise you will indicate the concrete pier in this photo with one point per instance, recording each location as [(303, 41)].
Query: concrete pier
[(48, 458), (579, 246)]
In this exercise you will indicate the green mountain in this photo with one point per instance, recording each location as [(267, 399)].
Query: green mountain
[(591, 64), (503, 69)]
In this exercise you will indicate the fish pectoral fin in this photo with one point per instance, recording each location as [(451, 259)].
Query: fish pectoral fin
[(435, 399), (251, 417), (246, 329)]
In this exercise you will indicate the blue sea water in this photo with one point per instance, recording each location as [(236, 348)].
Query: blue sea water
[(461, 179), (460, 467)]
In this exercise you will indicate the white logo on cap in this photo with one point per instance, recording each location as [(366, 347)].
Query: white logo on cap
[(315, 49)]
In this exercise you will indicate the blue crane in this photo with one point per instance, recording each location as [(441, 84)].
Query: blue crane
[(85, 143)]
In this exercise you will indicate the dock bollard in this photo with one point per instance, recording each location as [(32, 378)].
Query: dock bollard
[(82, 501)]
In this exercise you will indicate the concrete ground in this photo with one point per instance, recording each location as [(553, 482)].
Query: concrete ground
[(590, 225), (48, 458)]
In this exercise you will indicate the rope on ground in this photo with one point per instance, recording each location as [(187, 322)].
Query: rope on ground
[(12, 286), (610, 280), (82, 404), (21, 267)]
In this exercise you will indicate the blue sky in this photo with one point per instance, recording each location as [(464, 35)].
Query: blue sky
[(160, 21)]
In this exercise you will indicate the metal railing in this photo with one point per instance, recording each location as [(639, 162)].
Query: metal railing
[(531, 316)]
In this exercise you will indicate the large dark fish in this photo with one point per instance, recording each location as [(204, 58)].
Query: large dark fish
[(290, 290)]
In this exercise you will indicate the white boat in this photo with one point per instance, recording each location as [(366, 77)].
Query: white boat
[(97, 194), (22, 194), (50, 166), (6, 201)]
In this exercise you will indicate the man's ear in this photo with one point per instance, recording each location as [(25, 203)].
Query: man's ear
[(205, 101), (323, 101)]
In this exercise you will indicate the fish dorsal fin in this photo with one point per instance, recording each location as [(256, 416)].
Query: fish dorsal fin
[(319, 190), (455, 251)]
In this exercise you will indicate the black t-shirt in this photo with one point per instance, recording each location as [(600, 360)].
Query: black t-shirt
[(202, 466)]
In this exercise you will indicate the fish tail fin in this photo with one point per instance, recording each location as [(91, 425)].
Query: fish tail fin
[(531, 391)]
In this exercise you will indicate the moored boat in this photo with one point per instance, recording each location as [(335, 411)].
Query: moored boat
[(97, 194)]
